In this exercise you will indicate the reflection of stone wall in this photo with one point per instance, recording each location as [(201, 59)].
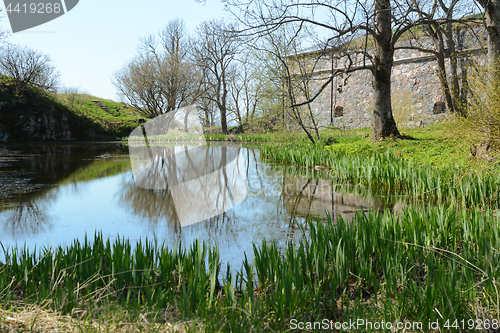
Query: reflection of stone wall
[(414, 73), (317, 197)]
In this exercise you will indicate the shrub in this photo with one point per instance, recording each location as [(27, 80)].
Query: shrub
[(404, 108), (482, 123)]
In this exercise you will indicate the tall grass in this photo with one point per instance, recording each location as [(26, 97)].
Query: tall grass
[(98, 271), (422, 265), (388, 174)]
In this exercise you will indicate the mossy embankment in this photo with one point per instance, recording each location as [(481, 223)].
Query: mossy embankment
[(34, 115)]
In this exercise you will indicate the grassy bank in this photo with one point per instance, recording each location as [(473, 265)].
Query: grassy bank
[(419, 266), (33, 115), (116, 118), (434, 264), (432, 168)]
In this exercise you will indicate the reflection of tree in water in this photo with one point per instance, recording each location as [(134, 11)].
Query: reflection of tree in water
[(28, 173), (198, 179), (157, 208), (29, 218), (302, 197), (153, 205)]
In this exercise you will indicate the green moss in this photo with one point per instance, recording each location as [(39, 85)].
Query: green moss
[(431, 145)]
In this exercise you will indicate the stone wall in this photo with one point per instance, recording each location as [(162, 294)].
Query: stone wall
[(418, 98)]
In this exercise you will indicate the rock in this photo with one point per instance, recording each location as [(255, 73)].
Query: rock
[(482, 151), (398, 207), (236, 130), (331, 140)]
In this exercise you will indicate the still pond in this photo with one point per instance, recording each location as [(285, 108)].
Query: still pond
[(53, 194)]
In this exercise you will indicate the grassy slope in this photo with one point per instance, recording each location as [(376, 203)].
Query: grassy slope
[(121, 123), (49, 115), (435, 145)]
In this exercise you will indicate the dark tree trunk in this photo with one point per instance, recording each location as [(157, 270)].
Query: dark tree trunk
[(493, 27), (383, 123), (492, 13), (223, 119), (455, 85), (436, 35), (222, 106), (170, 104), (444, 81)]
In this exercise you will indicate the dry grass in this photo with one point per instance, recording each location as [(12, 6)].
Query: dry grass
[(482, 124), (404, 109), (20, 317)]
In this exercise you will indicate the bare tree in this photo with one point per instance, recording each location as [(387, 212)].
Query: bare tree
[(268, 83), (440, 16), (215, 51), (160, 78), (238, 83), (209, 114), (177, 74), (140, 86), (380, 22), (247, 86), (294, 71), (28, 67)]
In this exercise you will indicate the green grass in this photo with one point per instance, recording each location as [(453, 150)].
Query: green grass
[(433, 169), (123, 121), (75, 114), (276, 137), (439, 259), (420, 265)]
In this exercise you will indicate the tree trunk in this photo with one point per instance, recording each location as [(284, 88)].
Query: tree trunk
[(383, 123), (444, 81), (223, 119), (435, 32), (455, 85), (223, 108), (170, 104), (492, 12)]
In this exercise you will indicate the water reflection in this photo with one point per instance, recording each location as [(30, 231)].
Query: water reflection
[(151, 205), (202, 181), (201, 184), (29, 218), (29, 173), (293, 193), (322, 198), (98, 192)]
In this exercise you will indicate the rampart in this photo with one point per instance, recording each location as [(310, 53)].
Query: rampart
[(417, 95)]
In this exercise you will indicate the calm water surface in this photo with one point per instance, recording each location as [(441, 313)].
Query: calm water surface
[(53, 194)]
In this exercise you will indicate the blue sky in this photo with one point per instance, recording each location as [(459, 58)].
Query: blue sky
[(89, 43)]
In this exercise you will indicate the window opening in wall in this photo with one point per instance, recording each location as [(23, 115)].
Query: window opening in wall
[(340, 82), (339, 111), (439, 107)]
